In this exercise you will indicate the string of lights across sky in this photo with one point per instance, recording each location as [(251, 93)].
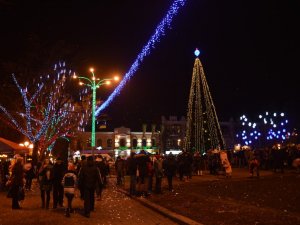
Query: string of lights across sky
[(146, 50)]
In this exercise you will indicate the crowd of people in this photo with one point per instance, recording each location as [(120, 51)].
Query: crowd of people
[(143, 172), (58, 180)]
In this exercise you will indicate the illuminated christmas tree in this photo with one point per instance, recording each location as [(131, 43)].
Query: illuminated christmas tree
[(51, 112), (203, 130)]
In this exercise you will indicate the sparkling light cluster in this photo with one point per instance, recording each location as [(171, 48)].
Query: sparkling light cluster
[(156, 36), (50, 112), (269, 126)]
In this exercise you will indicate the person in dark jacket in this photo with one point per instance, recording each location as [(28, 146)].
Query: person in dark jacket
[(170, 166), (81, 164), (119, 166), (89, 178), (131, 171), (58, 189), (17, 182), (29, 175), (46, 181)]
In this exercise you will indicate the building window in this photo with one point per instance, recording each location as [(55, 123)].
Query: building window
[(153, 142), (144, 142), (134, 143), (99, 142), (109, 143), (89, 143), (122, 142)]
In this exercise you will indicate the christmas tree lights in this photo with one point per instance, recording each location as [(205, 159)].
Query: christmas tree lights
[(203, 130), (146, 50)]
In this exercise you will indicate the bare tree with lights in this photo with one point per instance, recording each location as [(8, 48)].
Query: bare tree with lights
[(203, 130), (51, 112)]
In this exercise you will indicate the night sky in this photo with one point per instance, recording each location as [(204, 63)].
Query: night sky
[(249, 50)]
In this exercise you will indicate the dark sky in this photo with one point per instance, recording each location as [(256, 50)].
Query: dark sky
[(249, 50)]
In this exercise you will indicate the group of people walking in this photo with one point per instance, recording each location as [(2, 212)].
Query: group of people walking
[(60, 179)]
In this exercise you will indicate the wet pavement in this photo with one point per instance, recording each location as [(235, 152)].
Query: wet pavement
[(114, 208)]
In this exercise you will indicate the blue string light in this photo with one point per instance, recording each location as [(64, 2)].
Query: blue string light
[(269, 126), (158, 33)]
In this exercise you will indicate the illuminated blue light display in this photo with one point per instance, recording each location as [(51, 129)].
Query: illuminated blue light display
[(156, 36), (266, 128), (197, 52)]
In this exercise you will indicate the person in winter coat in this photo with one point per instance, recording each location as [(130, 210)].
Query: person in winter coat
[(29, 175), (68, 182), (101, 164), (120, 166), (158, 171), (227, 166), (89, 178), (46, 182), (150, 173), (17, 182), (58, 190), (131, 165), (170, 166)]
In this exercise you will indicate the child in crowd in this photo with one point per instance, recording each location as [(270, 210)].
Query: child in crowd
[(69, 182)]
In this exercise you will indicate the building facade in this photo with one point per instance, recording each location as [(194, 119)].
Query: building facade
[(121, 141)]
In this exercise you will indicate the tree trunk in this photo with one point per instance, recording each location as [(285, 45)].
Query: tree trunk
[(35, 155)]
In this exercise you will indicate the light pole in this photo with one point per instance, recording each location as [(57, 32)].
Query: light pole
[(94, 83)]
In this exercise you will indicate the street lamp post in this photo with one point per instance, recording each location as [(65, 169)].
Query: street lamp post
[(94, 83)]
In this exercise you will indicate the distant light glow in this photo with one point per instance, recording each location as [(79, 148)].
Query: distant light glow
[(197, 52)]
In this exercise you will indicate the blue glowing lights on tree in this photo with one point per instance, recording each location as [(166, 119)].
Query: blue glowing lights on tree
[(146, 50), (267, 128), (51, 112)]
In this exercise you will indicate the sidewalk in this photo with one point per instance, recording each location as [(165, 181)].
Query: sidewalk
[(114, 209)]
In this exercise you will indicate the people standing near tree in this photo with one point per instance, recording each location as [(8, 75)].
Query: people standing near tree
[(46, 182), (131, 165), (150, 174), (17, 182), (68, 182), (142, 159), (197, 164), (80, 164), (29, 175), (169, 166), (158, 171), (89, 178), (120, 166), (227, 166), (58, 190)]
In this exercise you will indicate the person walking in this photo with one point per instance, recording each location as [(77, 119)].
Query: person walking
[(58, 189), (89, 178), (68, 182), (46, 181)]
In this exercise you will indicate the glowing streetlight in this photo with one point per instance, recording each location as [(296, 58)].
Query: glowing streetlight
[(94, 83)]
